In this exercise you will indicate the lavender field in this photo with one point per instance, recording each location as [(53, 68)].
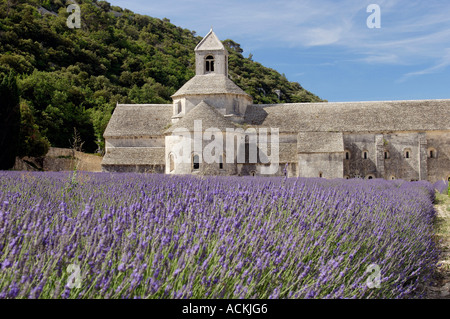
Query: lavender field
[(155, 236)]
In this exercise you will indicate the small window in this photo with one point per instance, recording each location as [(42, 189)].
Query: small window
[(392, 177), (407, 153), (196, 162), (365, 155), (220, 162), (347, 177), (320, 174), (432, 153), (209, 63), (387, 155), (252, 173), (370, 177), (347, 155)]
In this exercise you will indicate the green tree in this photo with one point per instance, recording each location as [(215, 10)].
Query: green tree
[(9, 120), (32, 143)]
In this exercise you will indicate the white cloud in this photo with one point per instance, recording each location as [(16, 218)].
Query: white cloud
[(389, 58), (441, 65)]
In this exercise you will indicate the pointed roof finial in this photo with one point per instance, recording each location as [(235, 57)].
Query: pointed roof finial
[(210, 42)]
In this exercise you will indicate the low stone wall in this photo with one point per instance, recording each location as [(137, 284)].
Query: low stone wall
[(61, 159)]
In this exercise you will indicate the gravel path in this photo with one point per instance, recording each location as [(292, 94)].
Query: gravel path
[(439, 287)]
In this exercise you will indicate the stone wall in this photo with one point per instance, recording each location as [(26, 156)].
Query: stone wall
[(225, 103), (356, 166), (326, 165), (151, 169), (61, 159), (398, 165), (185, 165), (439, 165), (386, 158), (387, 155)]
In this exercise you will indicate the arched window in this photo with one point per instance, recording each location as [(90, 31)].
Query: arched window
[(347, 177), (432, 153), (370, 176), (387, 155), (209, 63), (347, 154), (252, 173), (171, 162), (392, 177), (320, 174), (196, 162), (365, 154)]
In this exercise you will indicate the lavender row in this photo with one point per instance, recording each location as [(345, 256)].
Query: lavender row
[(155, 236)]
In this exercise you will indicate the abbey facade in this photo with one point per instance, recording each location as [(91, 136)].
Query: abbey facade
[(407, 140)]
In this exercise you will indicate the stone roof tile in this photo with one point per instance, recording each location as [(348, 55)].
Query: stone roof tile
[(210, 83), (210, 117), (210, 43), (382, 116), (139, 120)]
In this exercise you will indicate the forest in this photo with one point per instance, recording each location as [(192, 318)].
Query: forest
[(61, 80)]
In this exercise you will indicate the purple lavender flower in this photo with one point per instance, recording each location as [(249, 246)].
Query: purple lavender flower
[(232, 235), (121, 267)]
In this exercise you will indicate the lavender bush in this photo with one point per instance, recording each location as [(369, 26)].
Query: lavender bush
[(441, 186), (155, 236)]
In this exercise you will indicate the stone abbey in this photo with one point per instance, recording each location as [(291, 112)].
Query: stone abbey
[(407, 140)]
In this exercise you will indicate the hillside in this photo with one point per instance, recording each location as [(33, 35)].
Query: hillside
[(73, 78)]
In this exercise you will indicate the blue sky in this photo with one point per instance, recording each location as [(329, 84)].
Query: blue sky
[(326, 45)]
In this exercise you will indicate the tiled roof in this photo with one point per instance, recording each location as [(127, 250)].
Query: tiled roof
[(210, 83), (210, 117), (383, 116), (139, 120), (210, 43)]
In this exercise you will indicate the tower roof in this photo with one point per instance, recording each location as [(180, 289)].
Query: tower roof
[(209, 84), (210, 117), (210, 42)]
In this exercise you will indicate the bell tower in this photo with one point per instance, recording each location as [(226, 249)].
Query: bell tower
[(211, 56), (211, 84)]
